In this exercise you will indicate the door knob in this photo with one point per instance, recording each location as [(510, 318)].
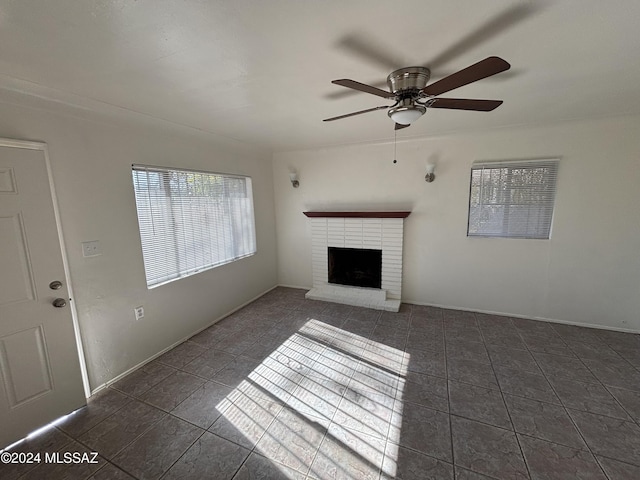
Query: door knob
[(59, 303), (55, 285)]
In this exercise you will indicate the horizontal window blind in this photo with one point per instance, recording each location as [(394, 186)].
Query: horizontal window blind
[(191, 221), (512, 198)]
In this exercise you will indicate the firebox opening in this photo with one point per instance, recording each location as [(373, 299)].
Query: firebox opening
[(355, 266)]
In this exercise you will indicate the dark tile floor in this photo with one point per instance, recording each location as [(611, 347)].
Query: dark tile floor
[(288, 388)]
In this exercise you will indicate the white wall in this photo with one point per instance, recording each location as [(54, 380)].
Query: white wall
[(588, 273), (91, 160)]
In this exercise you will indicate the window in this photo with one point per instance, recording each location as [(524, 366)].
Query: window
[(512, 198), (191, 221)]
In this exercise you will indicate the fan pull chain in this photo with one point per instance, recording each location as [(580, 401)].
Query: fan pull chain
[(395, 143)]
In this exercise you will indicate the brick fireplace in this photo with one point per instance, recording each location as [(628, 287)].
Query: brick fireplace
[(371, 231)]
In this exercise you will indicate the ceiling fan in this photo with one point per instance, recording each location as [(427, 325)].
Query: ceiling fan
[(408, 87)]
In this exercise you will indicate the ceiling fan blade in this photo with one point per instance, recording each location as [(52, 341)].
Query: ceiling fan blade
[(512, 73), (399, 126), (465, 104), (334, 95), (345, 82), (483, 69), (357, 113), (505, 20)]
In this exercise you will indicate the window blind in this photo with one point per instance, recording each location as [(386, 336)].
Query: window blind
[(512, 198), (191, 221)]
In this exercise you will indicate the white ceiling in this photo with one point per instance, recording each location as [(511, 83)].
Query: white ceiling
[(259, 71)]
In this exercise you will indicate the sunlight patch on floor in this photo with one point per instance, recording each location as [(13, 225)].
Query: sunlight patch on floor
[(326, 402)]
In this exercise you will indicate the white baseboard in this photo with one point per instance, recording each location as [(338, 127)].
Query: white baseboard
[(490, 312), (514, 315), (293, 286), (542, 319)]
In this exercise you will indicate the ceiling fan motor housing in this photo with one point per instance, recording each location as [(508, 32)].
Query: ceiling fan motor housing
[(407, 84), (409, 79)]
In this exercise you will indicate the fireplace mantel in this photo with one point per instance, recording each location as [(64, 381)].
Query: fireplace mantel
[(357, 214)]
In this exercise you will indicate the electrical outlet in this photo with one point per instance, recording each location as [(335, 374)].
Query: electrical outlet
[(91, 249), (139, 312)]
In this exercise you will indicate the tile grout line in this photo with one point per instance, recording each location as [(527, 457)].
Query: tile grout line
[(150, 428), (607, 344), (164, 474), (631, 416), (393, 404), (170, 413), (449, 414), (566, 411), (504, 403), (561, 404), (607, 387), (110, 461), (603, 385), (342, 396), (73, 436)]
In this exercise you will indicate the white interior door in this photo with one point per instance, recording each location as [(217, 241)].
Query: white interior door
[(40, 376)]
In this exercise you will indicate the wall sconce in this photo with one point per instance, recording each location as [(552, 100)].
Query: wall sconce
[(293, 176), (430, 175)]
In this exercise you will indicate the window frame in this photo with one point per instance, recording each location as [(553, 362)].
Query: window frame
[(180, 272), (547, 188)]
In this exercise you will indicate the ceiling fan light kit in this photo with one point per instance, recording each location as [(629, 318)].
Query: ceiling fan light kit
[(408, 86), (406, 115)]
